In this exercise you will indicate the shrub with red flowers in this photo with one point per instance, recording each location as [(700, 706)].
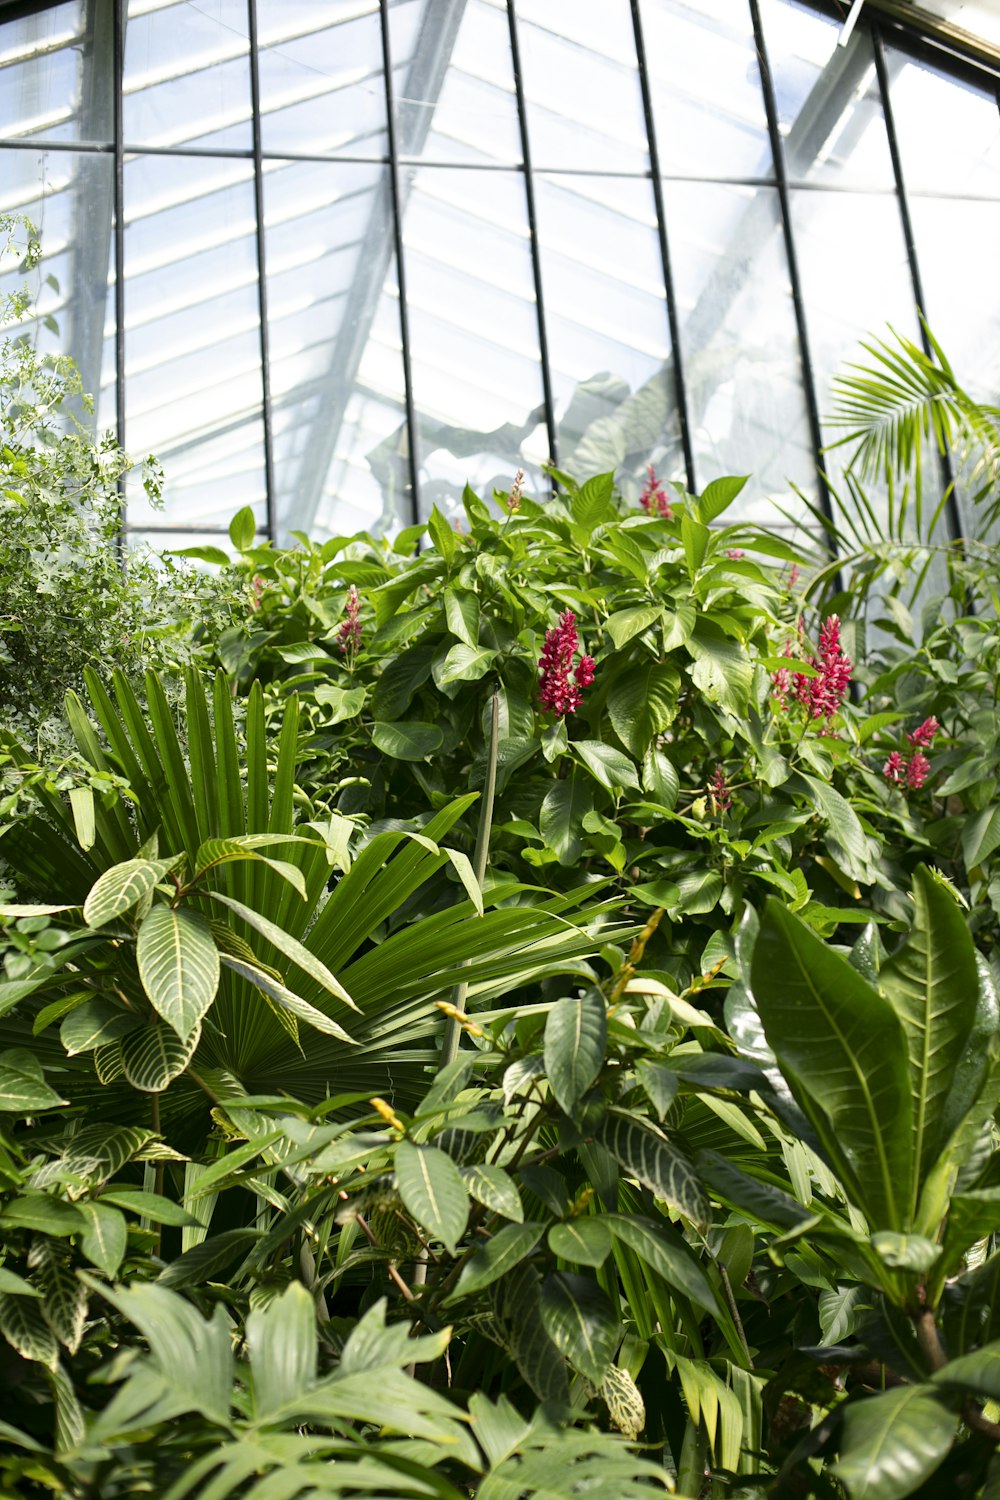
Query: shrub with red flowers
[(910, 775), (349, 634), (822, 693), (560, 684), (654, 499)]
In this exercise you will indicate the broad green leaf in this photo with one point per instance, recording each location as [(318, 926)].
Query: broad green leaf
[(205, 554), (981, 836), (659, 777), (93, 1024), (978, 1372), (664, 1251), (150, 1205), (343, 703), (932, 984), (607, 765), (495, 1189), (24, 1092), (282, 1342), (538, 1359), (847, 839), (658, 1083), (642, 703), (842, 1049), (407, 739), (696, 538), (43, 1213), (891, 1443), (592, 502), (722, 670), (290, 1002), (215, 852), (299, 954), (719, 496), (432, 1190), (627, 623), (155, 1055), (121, 888), (462, 664), (586, 1240), (23, 1326), (560, 820), (16, 1286), (12, 910), (842, 1312), (178, 965), (105, 1237), (581, 1322), (64, 1297), (645, 1153), (905, 1252), (462, 613), (243, 529), (575, 1038), (81, 801), (496, 1257)]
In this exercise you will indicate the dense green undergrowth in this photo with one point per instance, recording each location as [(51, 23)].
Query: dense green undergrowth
[(507, 1010)]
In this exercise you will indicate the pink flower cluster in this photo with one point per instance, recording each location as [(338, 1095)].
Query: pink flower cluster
[(654, 499), (719, 790), (516, 492), (560, 684), (349, 634), (912, 773), (822, 695)]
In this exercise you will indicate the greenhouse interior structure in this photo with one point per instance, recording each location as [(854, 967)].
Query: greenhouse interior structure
[(500, 749)]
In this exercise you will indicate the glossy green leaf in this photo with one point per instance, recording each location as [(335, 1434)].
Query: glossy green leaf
[(560, 819), (586, 1240), (933, 986), (842, 1048), (607, 765), (625, 624), (642, 702), (42, 1212), (282, 1342), (154, 1056), (645, 1153), (495, 1189), (287, 999), (432, 1190), (978, 1373), (105, 1237), (343, 703), (94, 1024), (981, 836), (243, 529), (664, 1251), (575, 1038), (150, 1205), (719, 496), (722, 670), (497, 1256), (120, 889), (581, 1322), (23, 1090), (408, 739), (178, 965), (23, 1326), (892, 1443), (463, 664)]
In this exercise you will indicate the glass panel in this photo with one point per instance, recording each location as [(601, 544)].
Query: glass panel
[(453, 81), (581, 85), (855, 279), (43, 57), (963, 309), (705, 85), (321, 80), (607, 327), (739, 342), (948, 131), (337, 402), (69, 198), (829, 108), (473, 333), (192, 341), (187, 74)]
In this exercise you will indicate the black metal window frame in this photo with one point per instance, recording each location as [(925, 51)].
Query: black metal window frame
[(882, 28)]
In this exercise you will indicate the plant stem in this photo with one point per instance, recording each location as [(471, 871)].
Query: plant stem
[(452, 1032)]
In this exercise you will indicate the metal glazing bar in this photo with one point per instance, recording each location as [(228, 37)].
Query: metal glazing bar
[(258, 195), (117, 78), (397, 232), (680, 386), (882, 73), (536, 257), (798, 302)]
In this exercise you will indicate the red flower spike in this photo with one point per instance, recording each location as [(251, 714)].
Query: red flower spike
[(654, 499), (559, 685), (917, 771), (349, 633), (923, 736), (719, 791), (894, 769)]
